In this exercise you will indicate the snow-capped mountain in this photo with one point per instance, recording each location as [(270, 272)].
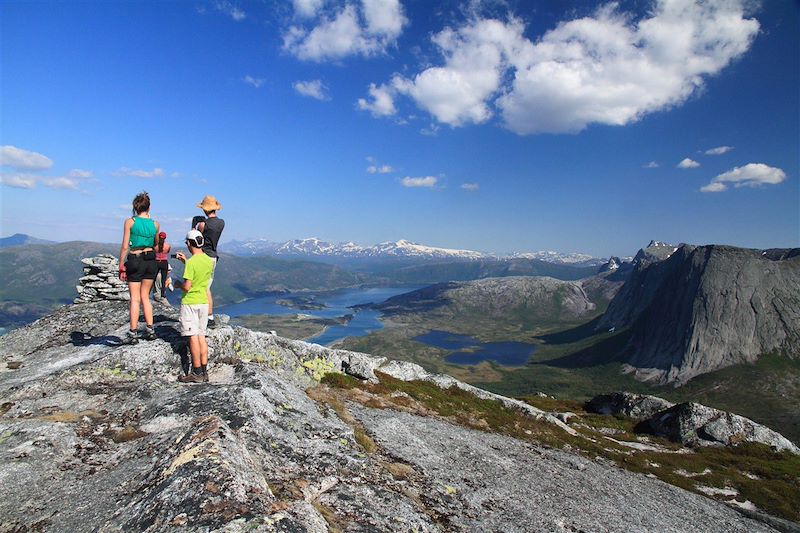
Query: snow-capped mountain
[(313, 247), (558, 257)]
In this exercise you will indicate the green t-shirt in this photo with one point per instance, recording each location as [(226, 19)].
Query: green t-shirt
[(198, 270)]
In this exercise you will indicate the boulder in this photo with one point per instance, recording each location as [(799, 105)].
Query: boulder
[(637, 406), (699, 425)]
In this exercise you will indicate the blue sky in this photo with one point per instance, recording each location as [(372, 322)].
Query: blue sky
[(494, 126)]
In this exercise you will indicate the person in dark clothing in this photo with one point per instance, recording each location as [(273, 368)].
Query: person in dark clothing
[(211, 228), (162, 259)]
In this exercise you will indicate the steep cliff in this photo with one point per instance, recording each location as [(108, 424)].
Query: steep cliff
[(702, 308)]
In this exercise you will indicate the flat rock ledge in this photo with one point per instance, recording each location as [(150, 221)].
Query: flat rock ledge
[(689, 423), (99, 436)]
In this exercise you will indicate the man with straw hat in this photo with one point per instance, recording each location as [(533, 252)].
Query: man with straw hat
[(211, 227)]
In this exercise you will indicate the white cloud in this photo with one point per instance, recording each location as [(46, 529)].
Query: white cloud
[(382, 104), (382, 169), (427, 181), (607, 68), (384, 17), (307, 8), (255, 82), (233, 11), (79, 173), (61, 183), (347, 33), (470, 186), (18, 180), (750, 175), (713, 187), (651, 164), (688, 163), (312, 88), (719, 150), (20, 159), (138, 173)]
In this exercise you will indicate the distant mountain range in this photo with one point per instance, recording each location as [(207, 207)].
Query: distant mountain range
[(20, 239), (313, 247)]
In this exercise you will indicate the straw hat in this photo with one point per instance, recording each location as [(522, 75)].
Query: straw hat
[(209, 203)]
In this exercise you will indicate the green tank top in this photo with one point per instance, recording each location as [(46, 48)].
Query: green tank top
[(143, 233)]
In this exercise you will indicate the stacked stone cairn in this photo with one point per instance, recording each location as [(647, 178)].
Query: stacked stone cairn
[(101, 281)]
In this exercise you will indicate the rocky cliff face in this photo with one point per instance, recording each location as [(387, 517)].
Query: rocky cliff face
[(702, 308), (99, 436)]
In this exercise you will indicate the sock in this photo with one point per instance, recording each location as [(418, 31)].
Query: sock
[(204, 368), (211, 317), (198, 371), (149, 328), (132, 332)]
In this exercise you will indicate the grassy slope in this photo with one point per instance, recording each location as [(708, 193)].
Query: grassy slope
[(769, 480)]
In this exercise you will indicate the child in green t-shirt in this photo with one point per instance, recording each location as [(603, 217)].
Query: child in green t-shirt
[(194, 305)]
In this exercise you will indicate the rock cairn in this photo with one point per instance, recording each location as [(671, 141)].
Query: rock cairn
[(100, 280)]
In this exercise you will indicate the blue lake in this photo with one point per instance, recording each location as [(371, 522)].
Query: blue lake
[(337, 304), (470, 351)]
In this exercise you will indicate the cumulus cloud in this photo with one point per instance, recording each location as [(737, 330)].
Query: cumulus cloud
[(719, 150), (651, 164), (607, 68), (427, 181), (138, 173), (18, 180), (365, 30), (472, 187), (750, 175), (20, 159), (688, 163), (79, 173), (255, 82), (382, 103), (307, 8), (61, 183), (312, 88)]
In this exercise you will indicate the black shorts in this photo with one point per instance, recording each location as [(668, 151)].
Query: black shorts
[(141, 266)]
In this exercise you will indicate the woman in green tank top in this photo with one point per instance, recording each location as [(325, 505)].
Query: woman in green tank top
[(138, 266)]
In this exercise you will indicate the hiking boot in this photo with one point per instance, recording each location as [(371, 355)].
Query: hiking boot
[(131, 338), (191, 377), (212, 323), (150, 333), (205, 376)]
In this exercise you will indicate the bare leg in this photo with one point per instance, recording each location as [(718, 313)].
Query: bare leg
[(203, 350), (195, 349), (134, 287), (210, 302), (147, 307)]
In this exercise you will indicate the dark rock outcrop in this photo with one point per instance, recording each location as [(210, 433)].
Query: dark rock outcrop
[(699, 425), (703, 308), (637, 406), (688, 423)]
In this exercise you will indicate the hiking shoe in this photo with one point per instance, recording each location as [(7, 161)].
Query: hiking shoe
[(191, 377), (205, 376), (150, 334), (131, 338), (212, 323)]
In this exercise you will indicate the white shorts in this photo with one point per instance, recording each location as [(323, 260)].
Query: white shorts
[(213, 269), (194, 319)]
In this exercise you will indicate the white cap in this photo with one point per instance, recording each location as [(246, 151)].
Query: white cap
[(195, 237)]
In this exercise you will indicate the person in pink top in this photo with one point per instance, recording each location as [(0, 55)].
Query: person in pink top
[(162, 260)]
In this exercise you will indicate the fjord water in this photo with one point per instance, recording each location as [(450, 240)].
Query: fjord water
[(337, 304), (471, 351)]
